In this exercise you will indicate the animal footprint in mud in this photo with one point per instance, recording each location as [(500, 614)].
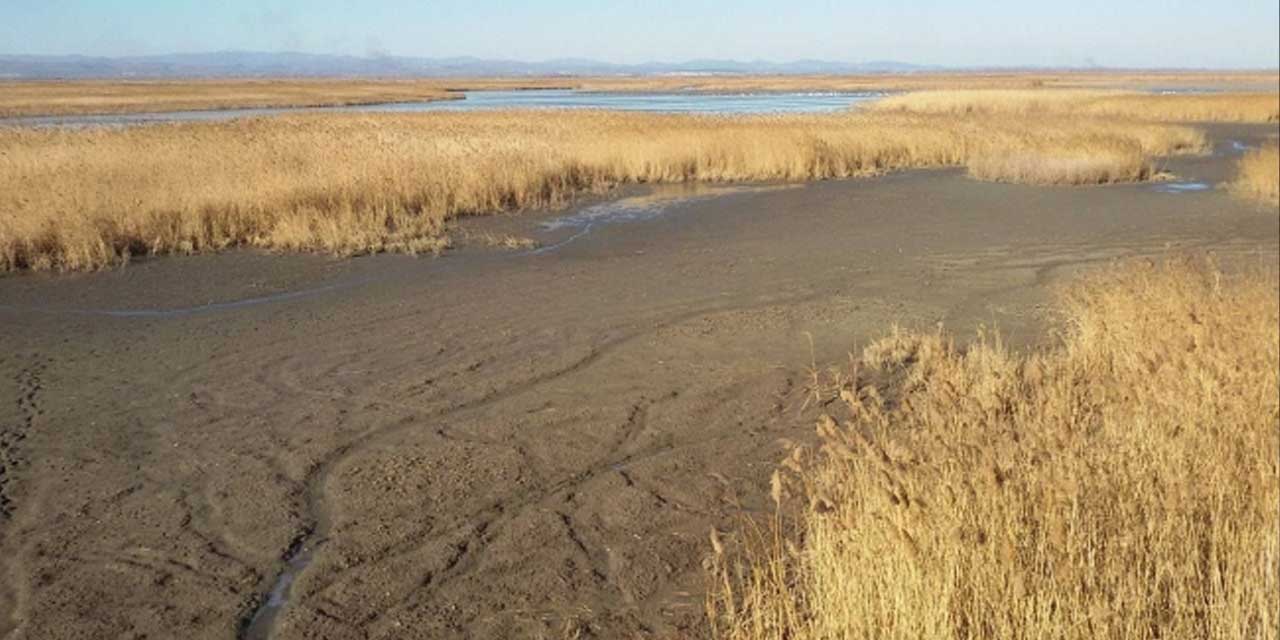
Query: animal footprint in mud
[(13, 434)]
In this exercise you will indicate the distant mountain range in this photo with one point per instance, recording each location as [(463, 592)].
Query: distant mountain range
[(257, 64)]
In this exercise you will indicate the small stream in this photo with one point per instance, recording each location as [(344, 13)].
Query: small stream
[(1181, 187), (639, 208), (263, 619)]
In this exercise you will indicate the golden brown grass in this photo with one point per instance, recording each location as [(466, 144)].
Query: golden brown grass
[(935, 81), (352, 183), (1100, 166), (499, 240), (1205, 107), (1258, 175), (1121, 484), (108, 97), (359, 183)]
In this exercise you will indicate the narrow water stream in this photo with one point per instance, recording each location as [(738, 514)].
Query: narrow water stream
[(260, 624)]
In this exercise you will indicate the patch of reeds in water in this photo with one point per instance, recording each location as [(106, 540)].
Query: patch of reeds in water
[(1258, 175)]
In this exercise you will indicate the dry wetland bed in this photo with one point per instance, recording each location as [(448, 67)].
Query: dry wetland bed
[(994, 357)]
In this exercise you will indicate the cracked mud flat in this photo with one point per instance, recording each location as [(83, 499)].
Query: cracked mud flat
[(493, 445)]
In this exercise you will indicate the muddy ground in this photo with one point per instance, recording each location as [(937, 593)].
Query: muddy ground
[(496, 443)]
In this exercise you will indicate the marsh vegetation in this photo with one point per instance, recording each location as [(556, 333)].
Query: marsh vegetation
[(347, 184), (1258, 107), (1121, 483), (1258, 175)]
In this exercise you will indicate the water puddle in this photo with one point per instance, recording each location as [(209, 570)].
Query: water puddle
[(259, 625), (1183, 91), (1181, 187), (638, 209)]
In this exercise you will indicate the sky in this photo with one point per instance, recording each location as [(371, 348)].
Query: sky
[(1113, 33)]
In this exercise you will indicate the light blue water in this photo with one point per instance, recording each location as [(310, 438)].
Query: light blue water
[(1181, 187), (741, 103), (812, 102), (637, 209)]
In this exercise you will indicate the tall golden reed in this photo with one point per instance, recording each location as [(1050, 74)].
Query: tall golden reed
[(1123, 484), (1258, 175), (353, 183), (1188, 107)]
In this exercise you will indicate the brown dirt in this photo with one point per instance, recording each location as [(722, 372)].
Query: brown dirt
[(493, 443)]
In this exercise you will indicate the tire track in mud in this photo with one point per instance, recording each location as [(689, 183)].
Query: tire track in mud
[(260, 623), (30, 383), (508, 508), (274, 598)]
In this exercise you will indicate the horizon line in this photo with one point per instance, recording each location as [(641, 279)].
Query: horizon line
[(924, 66)]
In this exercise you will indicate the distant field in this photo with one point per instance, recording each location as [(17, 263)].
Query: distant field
[(106, 97), (109, 97), (1186, 107), (1235, 81), (356, 183)]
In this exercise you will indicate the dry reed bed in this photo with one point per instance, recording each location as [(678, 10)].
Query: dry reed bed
[(1205, 107), (933, 81), (86, 199), (1258, 175), (1123, 484), (106, 97)]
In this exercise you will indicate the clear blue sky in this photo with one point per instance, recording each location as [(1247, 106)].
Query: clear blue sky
[(1138, 33)]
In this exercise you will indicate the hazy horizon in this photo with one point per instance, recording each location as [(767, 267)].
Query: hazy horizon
[(658, 61), (1144, 34)]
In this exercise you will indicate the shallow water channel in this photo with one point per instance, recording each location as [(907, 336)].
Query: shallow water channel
[(679, 102)]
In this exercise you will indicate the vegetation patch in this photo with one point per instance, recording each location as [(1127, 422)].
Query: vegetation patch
[(1258, 175), (1122, 483), (357, 183)]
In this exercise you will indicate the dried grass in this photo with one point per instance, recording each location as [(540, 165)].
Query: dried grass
[(1228, 80), (1066, 167), (107, 97), (356, 183), (1121, 484), (1258, 175), (1187, 107)]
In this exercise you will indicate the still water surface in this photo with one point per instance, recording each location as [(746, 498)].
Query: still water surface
[(740, 103)]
